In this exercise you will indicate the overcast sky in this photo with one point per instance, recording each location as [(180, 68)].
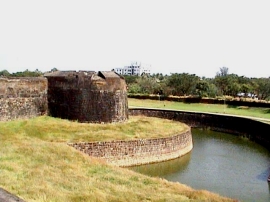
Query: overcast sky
[(173, 36)]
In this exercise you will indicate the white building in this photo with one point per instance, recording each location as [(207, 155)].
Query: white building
[(118, 70), (134, 69)]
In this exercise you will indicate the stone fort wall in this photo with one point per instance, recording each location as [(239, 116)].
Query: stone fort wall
[(81, 96), (27, 97), (87, 96), (256, 131), (135, 152), (141, 151), (22, 98)]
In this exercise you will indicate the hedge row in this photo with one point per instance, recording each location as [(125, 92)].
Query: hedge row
[(229, 101)]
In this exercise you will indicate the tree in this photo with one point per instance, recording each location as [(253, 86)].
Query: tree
[(221, 80), (202, 88), (134, 88), (247, 85), (130, 79), (142, 84), (223, 71), (183, 84), (54, 69), (227, 83), (246, 88), (158, 76), (233, 88), (263, 88), (4, 73), (27, 73), (213, 90), (148, 85)]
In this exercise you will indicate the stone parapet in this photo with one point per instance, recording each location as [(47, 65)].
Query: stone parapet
[(254, 130), (22, 98), (141, 151)]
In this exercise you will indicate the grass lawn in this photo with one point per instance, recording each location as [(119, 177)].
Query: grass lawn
[(37, 164), (224, 109)]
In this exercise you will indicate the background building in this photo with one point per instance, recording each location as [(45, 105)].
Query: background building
[(135, 68)]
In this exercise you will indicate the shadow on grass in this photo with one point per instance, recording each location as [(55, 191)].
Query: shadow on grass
[(232, 106), (266, 111), (263, 110)]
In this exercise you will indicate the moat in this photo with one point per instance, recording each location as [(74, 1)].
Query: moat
[(226, 164)]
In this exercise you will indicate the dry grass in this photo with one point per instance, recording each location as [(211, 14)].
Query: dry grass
[(59, 130), (37, 165)]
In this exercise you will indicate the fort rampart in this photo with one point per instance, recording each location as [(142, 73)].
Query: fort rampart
[(27, 97), (126, 153), (141, 151), (22, 98), (87, 96), (256, 131)]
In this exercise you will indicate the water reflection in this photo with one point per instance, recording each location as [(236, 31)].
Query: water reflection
[(164, 168), (229, 165)]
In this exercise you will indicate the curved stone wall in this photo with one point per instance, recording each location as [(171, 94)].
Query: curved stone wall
[(127, 153), (141, 151), (254, 130), (87, 96)]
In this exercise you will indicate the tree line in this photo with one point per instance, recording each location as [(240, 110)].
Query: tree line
[(185, 84), (25, 73)]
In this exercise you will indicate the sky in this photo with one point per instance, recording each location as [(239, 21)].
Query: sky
[(173, 36)]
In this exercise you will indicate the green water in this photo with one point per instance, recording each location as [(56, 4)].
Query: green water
[(228, 165)]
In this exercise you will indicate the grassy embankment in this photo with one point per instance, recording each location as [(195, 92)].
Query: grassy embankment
[(212, 108), (37, 165)]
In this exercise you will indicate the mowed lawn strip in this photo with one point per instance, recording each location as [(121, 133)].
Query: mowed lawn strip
[(199, 107)]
